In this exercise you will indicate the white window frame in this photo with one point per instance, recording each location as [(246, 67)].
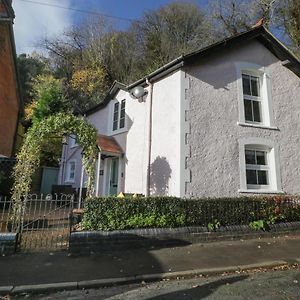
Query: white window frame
[(265, 98), (72, 141), (112, 109), (68, 173), (272, 167), (257, 167)]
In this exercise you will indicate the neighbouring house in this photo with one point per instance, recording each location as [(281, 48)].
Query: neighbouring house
[(10, 104), (221, 121)]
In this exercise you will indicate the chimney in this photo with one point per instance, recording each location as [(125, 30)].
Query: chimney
[(259, 23)]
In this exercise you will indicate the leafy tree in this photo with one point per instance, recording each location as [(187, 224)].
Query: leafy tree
[(48, 98), (29, 67)]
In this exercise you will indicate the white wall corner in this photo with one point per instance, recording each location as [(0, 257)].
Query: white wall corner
[(185, 129)]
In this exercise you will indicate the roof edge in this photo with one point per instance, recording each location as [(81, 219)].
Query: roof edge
[(116, 86), (271, 42)]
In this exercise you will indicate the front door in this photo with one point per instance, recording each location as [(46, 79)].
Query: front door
[(114, 178)]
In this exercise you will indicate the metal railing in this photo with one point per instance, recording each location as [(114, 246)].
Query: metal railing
[(44, 224)]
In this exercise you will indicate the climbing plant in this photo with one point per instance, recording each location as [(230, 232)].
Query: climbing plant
[(28, 159)]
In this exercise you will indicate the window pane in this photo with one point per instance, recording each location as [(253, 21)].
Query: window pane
[(115, 125), (122, 123), (116, 116), (246, 84), (256, 111), (262, 177), (248, 110), (122, 114), (251, 177), (123, 104), (261, 158), (255, 86), (250, 157)]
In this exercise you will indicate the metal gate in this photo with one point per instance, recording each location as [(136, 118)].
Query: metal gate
[(45, 222)]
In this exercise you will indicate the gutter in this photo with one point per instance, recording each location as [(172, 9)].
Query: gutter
[(166, 67), (6, 20)]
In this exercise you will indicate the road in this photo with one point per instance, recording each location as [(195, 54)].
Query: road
[(275, 284)]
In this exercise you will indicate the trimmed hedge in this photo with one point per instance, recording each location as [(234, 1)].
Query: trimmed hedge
[(126, 213)]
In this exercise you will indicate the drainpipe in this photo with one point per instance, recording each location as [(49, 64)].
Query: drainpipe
[(81, 185), (98, 173), (149, 138)]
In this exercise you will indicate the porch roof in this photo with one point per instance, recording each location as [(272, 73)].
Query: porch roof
[(108, 144)]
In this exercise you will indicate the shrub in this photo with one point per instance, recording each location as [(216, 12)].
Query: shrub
[(115, 213)]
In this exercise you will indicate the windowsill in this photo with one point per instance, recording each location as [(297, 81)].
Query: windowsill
[(115, 132), (69, 181), (258, 191), (257, 126)]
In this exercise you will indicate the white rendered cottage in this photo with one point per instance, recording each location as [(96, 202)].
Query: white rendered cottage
[(221, 121)]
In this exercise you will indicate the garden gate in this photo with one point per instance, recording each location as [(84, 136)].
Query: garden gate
[(45, 225)]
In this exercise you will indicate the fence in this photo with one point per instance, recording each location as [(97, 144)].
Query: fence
[(44, 223)]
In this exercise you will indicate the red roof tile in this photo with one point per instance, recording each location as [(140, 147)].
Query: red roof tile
[(108, 144)]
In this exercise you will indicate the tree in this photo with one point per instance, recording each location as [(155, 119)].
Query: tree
[(48, 98), (229, 16), (175, 29), (290, 14), (30, 66), (280, 16)]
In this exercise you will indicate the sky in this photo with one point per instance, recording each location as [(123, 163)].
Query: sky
[(35, 21)]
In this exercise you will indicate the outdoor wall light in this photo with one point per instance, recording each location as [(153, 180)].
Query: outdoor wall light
[(138, 92)]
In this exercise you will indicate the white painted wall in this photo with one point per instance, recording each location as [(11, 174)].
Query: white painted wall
[(136, 145), (166, 138)]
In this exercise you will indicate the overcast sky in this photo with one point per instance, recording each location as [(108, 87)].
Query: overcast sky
[(34, 22)]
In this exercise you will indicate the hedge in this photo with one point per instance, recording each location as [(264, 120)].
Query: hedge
[(126, 213)]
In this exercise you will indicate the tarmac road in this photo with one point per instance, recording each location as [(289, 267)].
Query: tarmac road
[(279, 284)]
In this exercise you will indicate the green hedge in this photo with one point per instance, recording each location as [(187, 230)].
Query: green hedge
[(116, 213)]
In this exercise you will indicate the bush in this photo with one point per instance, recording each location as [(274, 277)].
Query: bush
[(115, 213)]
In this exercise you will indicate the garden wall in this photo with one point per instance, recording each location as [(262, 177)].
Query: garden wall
[(85, 242), (8, 242)]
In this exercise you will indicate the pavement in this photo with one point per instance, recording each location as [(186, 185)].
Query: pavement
[(37, 272)]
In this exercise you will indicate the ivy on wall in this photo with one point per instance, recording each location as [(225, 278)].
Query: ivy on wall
[(28, 159)]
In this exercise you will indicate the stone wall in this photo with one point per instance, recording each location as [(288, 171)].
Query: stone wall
[(8, 242), (86, 242)]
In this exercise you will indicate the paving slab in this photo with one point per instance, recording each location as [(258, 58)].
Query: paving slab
[(59, 270)]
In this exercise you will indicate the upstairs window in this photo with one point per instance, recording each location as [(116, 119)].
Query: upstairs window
[(116, 116), (119, 115), (252, 98), (122, 114), (254, 89)]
